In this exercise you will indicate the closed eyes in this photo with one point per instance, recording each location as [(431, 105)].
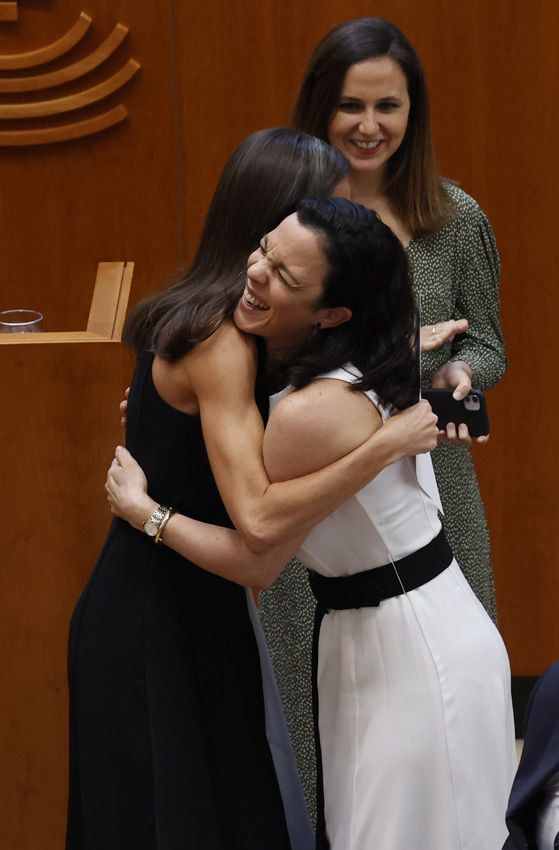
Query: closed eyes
[(276, 269)]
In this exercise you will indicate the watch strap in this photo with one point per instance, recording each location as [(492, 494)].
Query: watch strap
[(153, 522), (162, 524)]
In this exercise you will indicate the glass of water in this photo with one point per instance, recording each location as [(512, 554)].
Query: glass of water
[(20, 321)]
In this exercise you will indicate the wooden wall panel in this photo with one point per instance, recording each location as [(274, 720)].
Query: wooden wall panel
[(57, 399), (64, 207)]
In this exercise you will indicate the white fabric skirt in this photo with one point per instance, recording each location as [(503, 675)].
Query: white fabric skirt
[(416, 723)]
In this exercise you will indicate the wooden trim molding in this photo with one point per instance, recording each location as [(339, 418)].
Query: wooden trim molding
[(106, 315), (64, 133), (110, 299), (55, 337), (16, 61), (123, 296), (71, 72)]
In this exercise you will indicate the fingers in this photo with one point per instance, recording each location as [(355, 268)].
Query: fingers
[(112, 475), (427, 339), (462, 389), (460, 436), (464, 435), (427, 411), (457, 436), (434, 336), (123, 406), (123, 456), (451, 431), (481, 441), (456, 376), (423, 409), (461, 326)]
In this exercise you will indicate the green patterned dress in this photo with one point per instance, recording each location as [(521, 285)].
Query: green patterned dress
[(456, 271)]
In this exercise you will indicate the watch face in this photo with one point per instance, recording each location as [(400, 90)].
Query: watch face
[(150, 528)]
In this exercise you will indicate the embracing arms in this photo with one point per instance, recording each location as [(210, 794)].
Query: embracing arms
[(222, 551), (267, 514), (304, 434)]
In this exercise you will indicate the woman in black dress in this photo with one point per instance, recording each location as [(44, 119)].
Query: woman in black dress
[(167, 719)]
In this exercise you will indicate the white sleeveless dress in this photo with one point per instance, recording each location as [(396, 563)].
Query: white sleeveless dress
[(415, 714)]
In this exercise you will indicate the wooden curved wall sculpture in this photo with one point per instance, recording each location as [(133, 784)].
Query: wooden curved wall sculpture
[(8, 11), (70, 72), (71, 102), (76, 130), (58, 48)]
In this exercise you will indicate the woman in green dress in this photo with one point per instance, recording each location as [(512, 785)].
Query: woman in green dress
[(365, 92)]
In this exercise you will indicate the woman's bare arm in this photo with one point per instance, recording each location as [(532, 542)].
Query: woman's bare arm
[(221, 371), (304, 433), (218, 550)]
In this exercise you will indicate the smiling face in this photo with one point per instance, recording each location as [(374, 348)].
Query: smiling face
[(284, 287), (370, 121)]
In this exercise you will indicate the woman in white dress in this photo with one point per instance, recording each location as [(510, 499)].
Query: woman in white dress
[(415, 724), (413, 681)]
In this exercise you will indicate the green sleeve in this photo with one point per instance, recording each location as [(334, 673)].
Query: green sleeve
[(477, 289)]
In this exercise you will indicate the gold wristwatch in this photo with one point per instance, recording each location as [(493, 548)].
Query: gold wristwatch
[(154, 524)]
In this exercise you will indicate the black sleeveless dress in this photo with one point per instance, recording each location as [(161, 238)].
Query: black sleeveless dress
[(168, 747)]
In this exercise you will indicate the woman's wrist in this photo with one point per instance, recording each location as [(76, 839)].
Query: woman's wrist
[(140, 511)]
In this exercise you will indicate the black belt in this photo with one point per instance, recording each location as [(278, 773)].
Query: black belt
[(367, 590), (370, 588)]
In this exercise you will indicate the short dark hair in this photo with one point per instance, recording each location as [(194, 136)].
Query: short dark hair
[(261, 183), (413, 181), (368, 274)]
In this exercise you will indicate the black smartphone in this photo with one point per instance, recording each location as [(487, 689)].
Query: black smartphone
[(472, 410)]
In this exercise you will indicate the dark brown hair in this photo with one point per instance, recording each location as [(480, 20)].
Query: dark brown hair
[(267, 174), (413, 184)]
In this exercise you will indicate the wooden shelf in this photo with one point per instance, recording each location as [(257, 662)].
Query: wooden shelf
[(106, 315)]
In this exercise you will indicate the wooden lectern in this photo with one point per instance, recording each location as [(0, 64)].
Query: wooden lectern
[(59, 425)]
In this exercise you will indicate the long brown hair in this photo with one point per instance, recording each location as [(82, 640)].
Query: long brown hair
[(413, 183), (267, 174)]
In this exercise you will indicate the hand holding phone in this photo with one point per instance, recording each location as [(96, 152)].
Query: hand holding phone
[(471, 410)]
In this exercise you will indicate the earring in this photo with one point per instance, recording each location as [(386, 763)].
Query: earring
[(316, 328)]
